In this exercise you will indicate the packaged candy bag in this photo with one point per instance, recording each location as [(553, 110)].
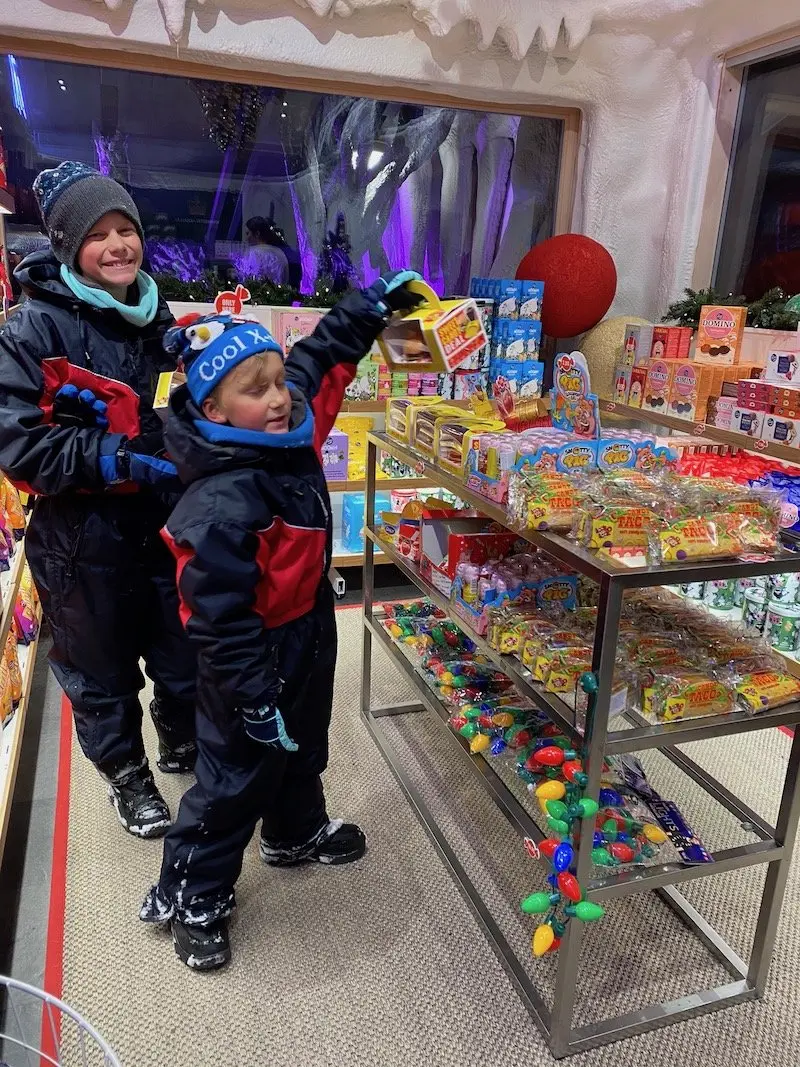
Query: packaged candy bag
[(12, 662), (12, 506), (25, 612), (762, 690), (686, 694), (6, 696)]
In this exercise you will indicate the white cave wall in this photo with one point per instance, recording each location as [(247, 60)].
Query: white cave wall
[(644, 72)]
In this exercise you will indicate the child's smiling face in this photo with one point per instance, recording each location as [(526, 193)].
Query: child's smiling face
[(253, 396), (111, 253)]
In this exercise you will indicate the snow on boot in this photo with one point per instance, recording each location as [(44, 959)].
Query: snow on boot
[(337, 842), (202, 948), (139, 806), (176, 754), (180, 760)]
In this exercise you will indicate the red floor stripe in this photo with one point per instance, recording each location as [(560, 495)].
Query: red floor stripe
[(788, 730), (54, 956)]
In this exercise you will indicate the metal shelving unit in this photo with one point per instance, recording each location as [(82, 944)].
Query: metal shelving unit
[(773, 847), (703, 432)]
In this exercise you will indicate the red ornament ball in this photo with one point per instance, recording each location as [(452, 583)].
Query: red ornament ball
[(580, 281)]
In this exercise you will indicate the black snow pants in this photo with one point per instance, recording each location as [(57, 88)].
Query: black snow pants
[(107, 586), (240, 781)]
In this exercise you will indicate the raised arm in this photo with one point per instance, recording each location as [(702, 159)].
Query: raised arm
[(324, 364)]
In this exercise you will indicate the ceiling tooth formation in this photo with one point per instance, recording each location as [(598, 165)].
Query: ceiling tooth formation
[(517, 24)]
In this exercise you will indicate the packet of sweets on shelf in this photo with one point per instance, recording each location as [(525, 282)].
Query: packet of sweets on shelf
[(538, 634), (25, 608), (12, 662), (550, 507), (686, 694), (565, 670), (548, 658), (507, 630), (12, 506), (695, 538), (6, 697), (623, 526), (762, 690)]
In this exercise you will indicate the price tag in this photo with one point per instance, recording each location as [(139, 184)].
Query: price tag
[(531, 848), (760, 444), (611, 406), (420, 469), (699, 429)]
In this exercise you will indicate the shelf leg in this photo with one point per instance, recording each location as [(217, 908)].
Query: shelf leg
[(368, 581), (777, 873), (603, 657)]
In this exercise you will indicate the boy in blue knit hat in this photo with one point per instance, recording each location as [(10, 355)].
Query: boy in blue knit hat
[(252, 539)]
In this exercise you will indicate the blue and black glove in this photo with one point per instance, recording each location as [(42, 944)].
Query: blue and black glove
[(79, 408), (391, 293), (138, 459), (266, 726)]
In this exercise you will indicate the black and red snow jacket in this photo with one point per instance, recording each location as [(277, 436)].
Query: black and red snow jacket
[(252, 532), (54, 339)]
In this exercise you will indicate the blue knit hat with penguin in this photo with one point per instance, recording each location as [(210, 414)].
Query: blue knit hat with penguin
[(209, 347)]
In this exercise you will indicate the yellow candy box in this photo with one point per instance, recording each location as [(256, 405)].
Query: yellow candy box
[(438, 335)]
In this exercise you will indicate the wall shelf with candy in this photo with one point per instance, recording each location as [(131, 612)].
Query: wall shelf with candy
[(712, 385), (19, 631), (550, 649)]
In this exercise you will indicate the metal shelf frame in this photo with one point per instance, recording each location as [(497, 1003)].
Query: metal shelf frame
[(774, 845)]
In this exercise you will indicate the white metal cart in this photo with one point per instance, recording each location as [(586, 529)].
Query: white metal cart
[(40, 1029)]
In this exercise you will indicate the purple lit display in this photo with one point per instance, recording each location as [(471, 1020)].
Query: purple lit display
[(185, 259), (102, 150), (351, 186)]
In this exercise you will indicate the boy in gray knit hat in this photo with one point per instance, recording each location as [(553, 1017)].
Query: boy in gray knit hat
[(78, 363), (72, 198)]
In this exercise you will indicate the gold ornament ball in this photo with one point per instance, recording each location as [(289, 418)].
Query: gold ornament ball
[(602, 346)]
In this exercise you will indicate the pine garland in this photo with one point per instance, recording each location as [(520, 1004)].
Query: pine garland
[(772, 312), (204, 290)]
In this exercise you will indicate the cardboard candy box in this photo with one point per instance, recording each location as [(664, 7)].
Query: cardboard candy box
[(449, 538), (168, 382), (719, 335), (439, 335)]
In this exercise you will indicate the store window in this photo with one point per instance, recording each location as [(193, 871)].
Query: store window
[(760, 243), (286, 187)]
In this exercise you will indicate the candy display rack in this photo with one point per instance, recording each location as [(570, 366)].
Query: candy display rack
[(773, 846), (12, 733)]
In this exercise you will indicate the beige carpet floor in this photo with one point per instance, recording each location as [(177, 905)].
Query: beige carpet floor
[(381, 964)]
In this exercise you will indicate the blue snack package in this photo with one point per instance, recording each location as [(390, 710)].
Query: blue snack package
[(533, 339), (515, 338), (531, 297), (510, 291), (532, 379)]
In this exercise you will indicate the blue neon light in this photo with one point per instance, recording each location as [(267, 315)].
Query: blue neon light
[(16, 86)]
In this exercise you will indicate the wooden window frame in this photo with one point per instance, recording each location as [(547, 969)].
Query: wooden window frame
[(730, 98), (149, 63)]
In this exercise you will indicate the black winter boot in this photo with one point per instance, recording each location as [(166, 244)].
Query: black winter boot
[(176, 755), (180, 760), (337, 842), (139, 806), (202, 948)]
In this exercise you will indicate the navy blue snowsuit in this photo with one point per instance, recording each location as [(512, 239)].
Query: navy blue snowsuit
[(252, 537), (105, 577)]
